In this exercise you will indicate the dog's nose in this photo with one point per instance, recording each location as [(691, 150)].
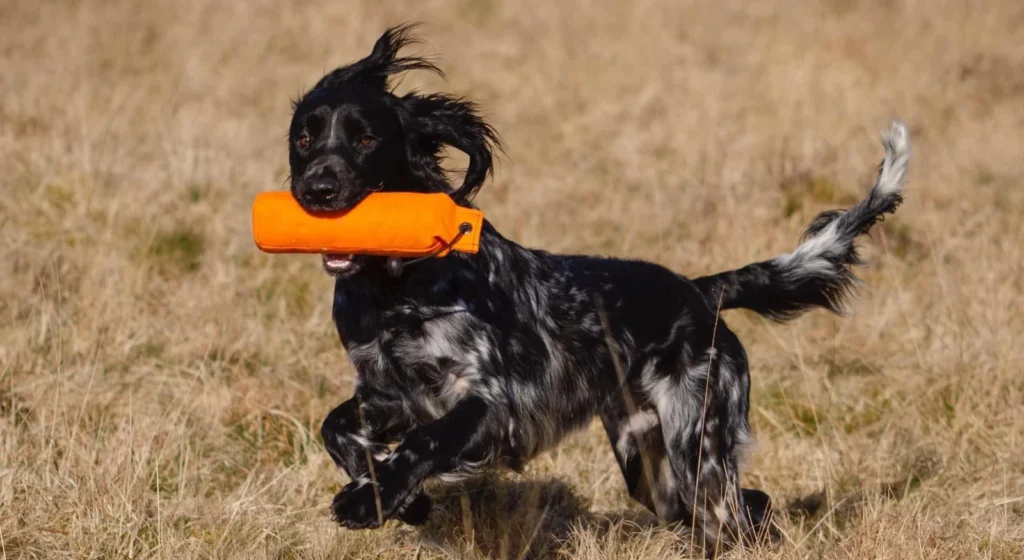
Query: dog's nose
[(322, 190)]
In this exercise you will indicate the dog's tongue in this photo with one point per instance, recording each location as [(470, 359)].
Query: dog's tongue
[(336, 264)]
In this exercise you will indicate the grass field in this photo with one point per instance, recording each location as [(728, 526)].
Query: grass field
[(162, 383)]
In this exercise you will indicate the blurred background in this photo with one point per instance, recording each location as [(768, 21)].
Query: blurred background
[(162, 383)]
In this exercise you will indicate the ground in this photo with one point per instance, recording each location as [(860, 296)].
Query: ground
[(162, 383)]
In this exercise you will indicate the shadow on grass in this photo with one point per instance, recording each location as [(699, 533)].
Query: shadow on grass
[(846, 503), (499, 518)]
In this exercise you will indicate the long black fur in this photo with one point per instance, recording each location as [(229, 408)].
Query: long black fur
[(474, 361)]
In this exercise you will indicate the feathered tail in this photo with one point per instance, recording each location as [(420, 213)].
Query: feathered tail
[(817, 273)]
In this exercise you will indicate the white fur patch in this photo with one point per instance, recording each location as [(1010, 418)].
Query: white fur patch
[(362, 441), (811, 256), (896, 142), (637, 424)]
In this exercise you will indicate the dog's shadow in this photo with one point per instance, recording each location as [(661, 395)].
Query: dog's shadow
[(503, 518)]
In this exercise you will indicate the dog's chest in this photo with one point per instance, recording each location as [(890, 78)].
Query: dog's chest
[(430, 358)]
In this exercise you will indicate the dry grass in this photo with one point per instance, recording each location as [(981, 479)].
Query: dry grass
[(162, 383)]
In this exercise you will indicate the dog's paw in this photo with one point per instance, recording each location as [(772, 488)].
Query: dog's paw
[(416, 511), (759, 514), (356, 506)]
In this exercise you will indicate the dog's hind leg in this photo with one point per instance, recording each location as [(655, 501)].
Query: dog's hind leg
[(356, 435), (636, 438), (702, 401)]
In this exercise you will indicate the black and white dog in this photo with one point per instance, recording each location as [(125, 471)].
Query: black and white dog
[(473, 361)]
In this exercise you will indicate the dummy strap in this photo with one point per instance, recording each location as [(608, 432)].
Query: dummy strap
[(395, 265)]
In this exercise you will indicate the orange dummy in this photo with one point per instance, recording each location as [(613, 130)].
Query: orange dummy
[(384, 224)]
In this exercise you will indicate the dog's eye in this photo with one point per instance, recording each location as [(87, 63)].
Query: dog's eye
[(303, 141), (366, 140)]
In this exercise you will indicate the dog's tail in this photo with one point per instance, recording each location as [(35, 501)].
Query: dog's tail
[(817, 273)]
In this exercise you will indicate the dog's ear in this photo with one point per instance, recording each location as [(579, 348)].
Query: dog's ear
[(383, 61), (438, 120)]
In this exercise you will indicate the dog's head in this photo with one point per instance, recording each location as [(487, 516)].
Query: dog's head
[(351, 136)]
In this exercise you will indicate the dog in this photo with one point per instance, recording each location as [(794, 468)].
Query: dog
[(483, 360)]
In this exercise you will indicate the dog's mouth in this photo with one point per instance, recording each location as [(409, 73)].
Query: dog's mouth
[(341, 266)]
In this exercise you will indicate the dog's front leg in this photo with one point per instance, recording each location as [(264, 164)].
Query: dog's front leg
[(465, 435), (356, 435)]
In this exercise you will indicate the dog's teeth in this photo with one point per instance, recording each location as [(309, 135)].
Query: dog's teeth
[(342, 264), (338, 263)]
